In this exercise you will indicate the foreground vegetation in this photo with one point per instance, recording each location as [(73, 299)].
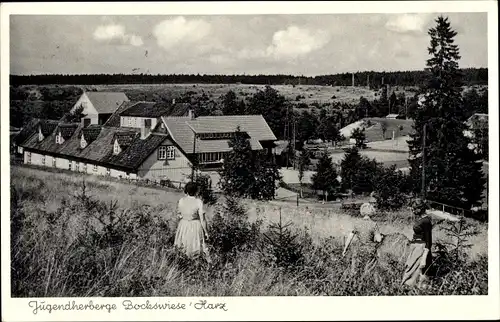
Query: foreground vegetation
[(70, 239)]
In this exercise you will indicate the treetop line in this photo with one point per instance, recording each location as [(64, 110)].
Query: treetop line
[(471, 76)]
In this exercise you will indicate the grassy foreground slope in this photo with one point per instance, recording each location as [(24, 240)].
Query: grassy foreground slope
[(62, 246)]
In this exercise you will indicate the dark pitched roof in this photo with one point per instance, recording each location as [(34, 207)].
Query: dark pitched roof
[(106, 102), (114, 119), (67, 130), (181, 130), (100, 149), (91, 132), (138, 150), (48, 126), (179, 109), (27, 131), (147, 109), (153, 109), (125, 138)]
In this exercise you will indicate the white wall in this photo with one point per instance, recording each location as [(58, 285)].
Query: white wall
[(137, 122), (174, 170), (88, 110), (81, 167)]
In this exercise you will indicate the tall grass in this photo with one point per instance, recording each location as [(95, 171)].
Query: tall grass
[(98, 239)]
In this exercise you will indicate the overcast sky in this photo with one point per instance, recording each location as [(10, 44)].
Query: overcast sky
[(254, 44)]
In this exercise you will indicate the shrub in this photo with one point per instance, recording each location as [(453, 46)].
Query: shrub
[(87, 247), (283, 247), (205, 191), (389, 189), (459, 233), (230, 231)]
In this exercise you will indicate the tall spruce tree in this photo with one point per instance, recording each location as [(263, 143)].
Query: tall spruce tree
[(247, 173), (236, 174), (325, 178), (452, 172)]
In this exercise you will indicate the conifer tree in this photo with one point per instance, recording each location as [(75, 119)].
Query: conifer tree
[(325, 178), (358, 134), (236, 173), (247, 173), (304, 162), (230, 104), (452, 172)]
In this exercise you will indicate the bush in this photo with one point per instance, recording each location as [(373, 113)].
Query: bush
[(80, 250), (390, 188), (283, 247), (230, 231), (205, 191), (87, 247)]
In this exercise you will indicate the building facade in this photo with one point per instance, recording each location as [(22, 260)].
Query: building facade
[(150, 142)]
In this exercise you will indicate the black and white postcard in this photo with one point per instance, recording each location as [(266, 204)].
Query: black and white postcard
[(249, 161)]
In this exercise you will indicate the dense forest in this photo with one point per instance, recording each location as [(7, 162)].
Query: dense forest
[(470, 76)]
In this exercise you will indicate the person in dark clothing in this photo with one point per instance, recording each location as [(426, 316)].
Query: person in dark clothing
[(420, 257)]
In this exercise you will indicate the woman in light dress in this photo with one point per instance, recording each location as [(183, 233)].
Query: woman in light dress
[(192, 231)]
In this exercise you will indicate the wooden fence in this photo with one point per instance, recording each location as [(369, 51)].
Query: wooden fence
[(447, 208)]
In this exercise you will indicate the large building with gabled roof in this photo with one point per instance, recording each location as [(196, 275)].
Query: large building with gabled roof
[(99, 106), (141, 140)]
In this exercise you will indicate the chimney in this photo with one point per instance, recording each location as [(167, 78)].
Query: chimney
[(190, 114), (145, 128)]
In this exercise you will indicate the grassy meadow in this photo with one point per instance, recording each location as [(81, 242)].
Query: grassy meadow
[(116, 239), (309, 94)]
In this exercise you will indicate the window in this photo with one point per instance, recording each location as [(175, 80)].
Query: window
[(130, 121), (211, 157), (59, 138), (70, 165), (84, 167), (83, 142), (166, 152), (116, 147), (77, 167), (54, 162), (28, 155), (162, 152), (86, 122), (108, 171), (43, 159), (170, 152), (95, 168)]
